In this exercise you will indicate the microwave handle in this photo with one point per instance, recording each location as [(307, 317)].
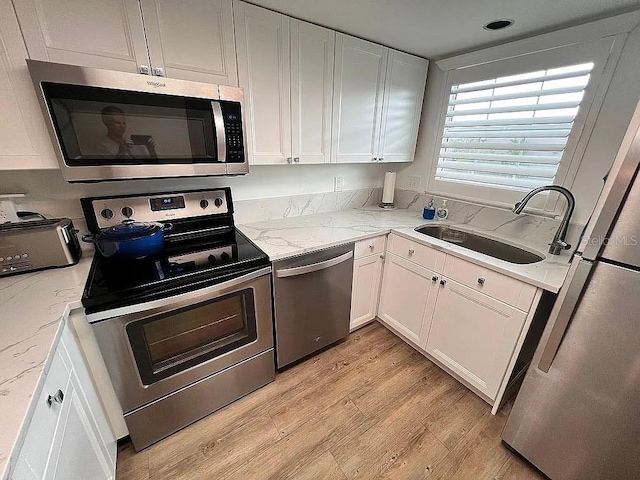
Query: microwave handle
[(221, 134)]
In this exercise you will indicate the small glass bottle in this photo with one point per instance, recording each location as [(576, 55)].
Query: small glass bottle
[(443, 212)]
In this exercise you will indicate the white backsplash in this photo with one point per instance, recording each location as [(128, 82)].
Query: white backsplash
[(262, 209)]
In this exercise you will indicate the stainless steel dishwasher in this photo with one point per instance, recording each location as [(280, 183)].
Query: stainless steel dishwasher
[(312, 298)]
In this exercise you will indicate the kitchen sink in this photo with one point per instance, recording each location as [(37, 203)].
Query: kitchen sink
[(478, 243)]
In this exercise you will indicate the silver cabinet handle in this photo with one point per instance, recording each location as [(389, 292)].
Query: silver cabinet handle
[(371, 246), (443, 282), (481, 280), (57, 397), (411, 251), (314, 267), (374, 159), (381, 159), (382, 257), (158, 71), (434, 278), (144, 69), (296, 159), (289, 159)]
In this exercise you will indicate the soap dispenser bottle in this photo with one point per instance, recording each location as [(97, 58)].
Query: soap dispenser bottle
[(429, 211), (443, 212)]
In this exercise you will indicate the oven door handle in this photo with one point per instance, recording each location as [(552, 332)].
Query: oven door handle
[(314, 267), (163, 305)]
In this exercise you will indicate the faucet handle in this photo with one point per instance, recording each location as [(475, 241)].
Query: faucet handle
[(561, 244)]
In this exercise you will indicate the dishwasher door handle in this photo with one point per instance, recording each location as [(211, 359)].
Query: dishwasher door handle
[(314, 267)]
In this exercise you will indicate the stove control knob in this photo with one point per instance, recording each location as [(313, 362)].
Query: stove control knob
[(204, 203), (212, 259), (218, 202), (106, 213), (224, 256), (127, 212)]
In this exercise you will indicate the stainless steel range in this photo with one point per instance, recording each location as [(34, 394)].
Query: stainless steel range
[(190, 330)]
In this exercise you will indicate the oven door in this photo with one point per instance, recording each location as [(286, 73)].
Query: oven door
[(168, 344)]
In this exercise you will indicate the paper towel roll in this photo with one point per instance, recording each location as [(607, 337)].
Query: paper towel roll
[(389, 187)]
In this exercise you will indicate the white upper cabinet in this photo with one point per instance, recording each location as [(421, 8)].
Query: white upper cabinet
[(23, 136), (191, 41), (286, 69), (360, 69), (92, 33), (312, 51), (377, 104), (404, 91), (264, 71)]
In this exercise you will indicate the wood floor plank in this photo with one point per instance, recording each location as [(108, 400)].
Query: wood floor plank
[(323, 467), (295, 410), (518, 469), (205, 451), (395, 443), (131, 465), (451, 423), (293, 453), (479, 455)]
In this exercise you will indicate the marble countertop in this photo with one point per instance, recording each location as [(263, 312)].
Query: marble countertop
[(34, 306), (288, 237)]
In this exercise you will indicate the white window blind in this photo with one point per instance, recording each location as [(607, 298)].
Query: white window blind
[(510, 132)]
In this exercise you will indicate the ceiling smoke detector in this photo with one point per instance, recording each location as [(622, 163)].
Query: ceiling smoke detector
[(498, 24)]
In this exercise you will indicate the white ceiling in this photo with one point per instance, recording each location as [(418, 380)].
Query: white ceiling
[(438, 28)]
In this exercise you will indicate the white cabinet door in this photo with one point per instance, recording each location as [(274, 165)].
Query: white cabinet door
[(76, 452), (474, 335), (23, 135), (357, 99), (408, 298), (262, 41), (312, 52), (367, 276), (404, 91), (192, 41), (92, 33)]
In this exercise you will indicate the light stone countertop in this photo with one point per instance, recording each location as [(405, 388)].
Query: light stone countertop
[(33, 307), (289, 237)]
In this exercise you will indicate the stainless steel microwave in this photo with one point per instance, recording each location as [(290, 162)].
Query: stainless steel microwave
[(108, 125)]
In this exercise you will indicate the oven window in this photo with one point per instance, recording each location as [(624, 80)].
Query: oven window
[(164, 346), (101, 126)]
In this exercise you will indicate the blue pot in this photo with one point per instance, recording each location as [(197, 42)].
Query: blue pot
[(130, 240)]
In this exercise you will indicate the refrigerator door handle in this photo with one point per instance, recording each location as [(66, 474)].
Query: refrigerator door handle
[(564, 315)]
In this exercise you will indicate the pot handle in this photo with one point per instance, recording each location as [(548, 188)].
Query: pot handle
[(167, 227), (89, 238)]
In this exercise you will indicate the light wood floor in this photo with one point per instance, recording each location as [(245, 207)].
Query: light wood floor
[(370, 407)]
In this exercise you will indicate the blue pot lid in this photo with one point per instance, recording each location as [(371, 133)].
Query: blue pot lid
[(129, 230)]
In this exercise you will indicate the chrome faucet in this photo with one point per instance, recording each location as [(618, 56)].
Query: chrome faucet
[(558, 244)]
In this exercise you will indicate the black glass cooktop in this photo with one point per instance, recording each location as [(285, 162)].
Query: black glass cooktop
[(183, 266)]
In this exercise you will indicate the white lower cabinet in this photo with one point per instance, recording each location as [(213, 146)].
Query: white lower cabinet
[(68, 436), (408, 298), (468, 319), (367, 276), (474, 335)]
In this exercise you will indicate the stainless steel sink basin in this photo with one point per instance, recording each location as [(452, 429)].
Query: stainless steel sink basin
[(478, 243)]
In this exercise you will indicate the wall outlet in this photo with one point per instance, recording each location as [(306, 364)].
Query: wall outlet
[(337, 184), (413, 183)]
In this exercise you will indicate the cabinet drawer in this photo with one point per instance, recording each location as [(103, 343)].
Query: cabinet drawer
[(501, 287), (369, 246), (424, 256), (37, 444)]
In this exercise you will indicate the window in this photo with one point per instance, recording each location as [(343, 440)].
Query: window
[(510, 125), (511, 132)]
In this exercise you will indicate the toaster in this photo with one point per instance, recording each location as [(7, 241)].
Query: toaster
[(37, 244)]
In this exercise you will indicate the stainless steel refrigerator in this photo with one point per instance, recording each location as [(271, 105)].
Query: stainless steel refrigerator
[(577, 415)]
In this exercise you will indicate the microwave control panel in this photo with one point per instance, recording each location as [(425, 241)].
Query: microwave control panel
[(232, 115)]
